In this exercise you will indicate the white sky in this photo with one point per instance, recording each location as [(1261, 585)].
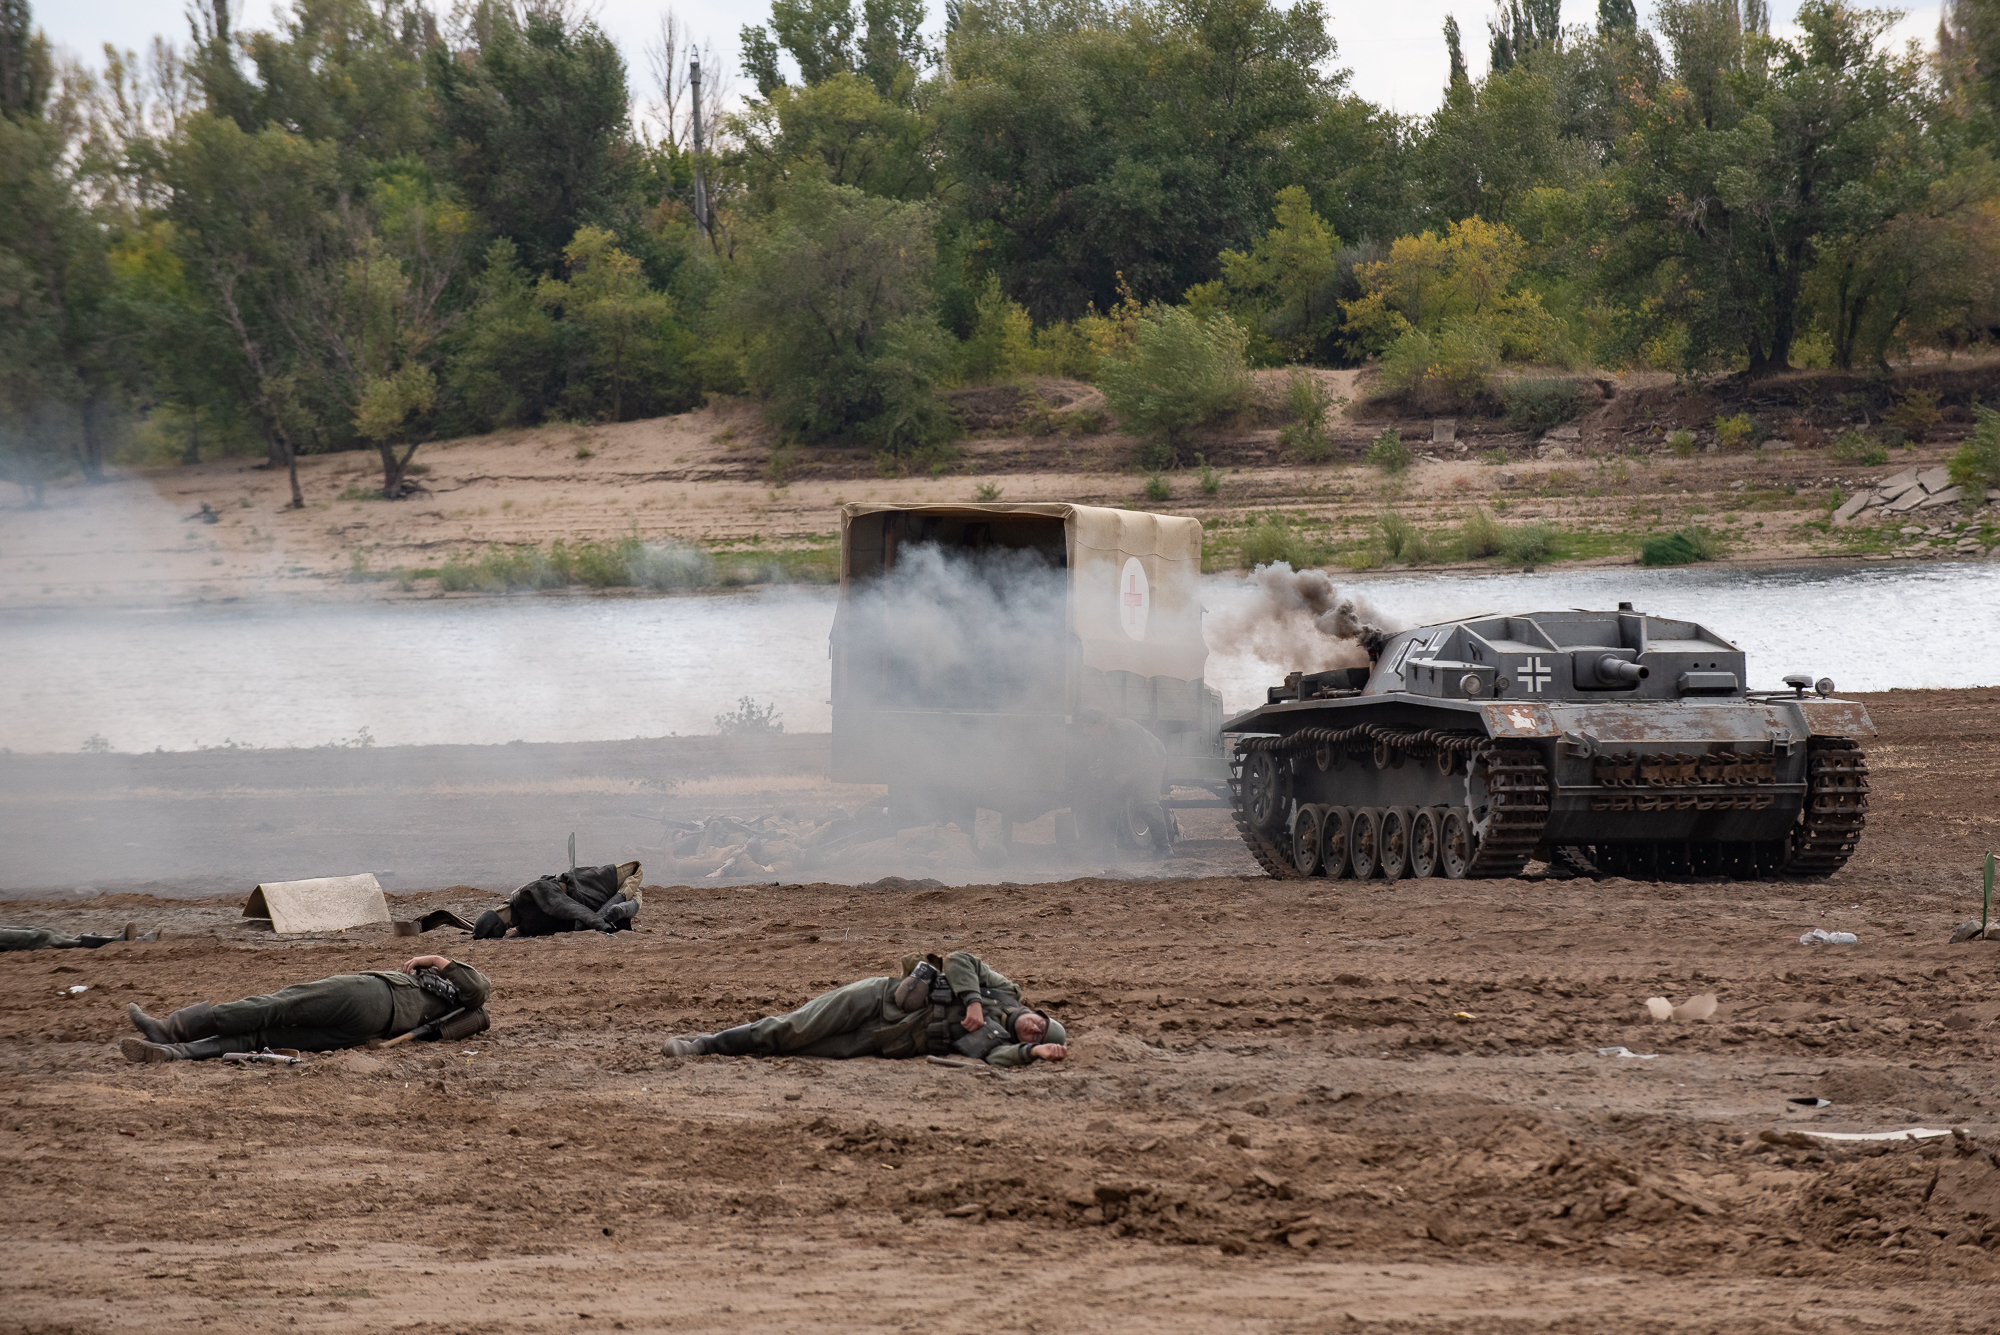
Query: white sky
[(1396, 51)]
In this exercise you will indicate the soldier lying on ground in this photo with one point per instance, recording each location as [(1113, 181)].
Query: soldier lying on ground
[(954, 1006), (600, 899), (343, 1011), (41, 938)]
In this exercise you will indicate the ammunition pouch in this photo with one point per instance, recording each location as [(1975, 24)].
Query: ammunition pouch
[(982, 1040)]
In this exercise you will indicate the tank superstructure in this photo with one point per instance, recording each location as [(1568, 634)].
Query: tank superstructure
[(1610, 741)]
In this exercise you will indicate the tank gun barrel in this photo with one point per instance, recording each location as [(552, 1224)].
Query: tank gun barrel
[(1613, 668)]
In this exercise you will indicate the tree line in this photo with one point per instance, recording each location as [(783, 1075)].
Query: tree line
[(369, 226)]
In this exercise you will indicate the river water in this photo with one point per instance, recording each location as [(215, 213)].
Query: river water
[(544, 668)]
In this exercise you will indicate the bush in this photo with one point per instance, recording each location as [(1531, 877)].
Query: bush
[(1855, 447), (1211, 481), (1735, 433), (1446, 370), (1396, 532), (749, 719), (1975, 465), (1681, 443), (1537, 405), (1405, 542), (1275, 540), (834, 303), (1527, 544), (1915, 413), (1307, 403), (1180, 375), (1156, 488), (1681, 548), (1389, 453), (1481, 535)]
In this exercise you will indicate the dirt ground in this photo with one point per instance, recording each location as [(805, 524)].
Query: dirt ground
[(717, 477), (1291, 1107)]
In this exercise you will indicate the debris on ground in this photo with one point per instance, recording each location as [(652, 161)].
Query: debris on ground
[(1909, 491), (1692, 1011), (1819, 936)]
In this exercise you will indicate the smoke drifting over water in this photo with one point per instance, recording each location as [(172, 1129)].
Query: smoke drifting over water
[(1298, 620)]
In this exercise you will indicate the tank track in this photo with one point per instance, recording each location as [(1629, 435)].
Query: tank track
[(1518, 783), (1836, 807), (1275, 861)]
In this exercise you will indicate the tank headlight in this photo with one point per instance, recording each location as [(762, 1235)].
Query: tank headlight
[(1469, 683), (1824, 686)]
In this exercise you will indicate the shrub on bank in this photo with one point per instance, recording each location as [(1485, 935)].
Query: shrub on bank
[(1683, 547)]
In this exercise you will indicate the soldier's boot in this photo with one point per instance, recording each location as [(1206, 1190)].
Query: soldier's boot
[(620, 915), (92, 940), (184, 1025), (201, 1049), (731, 1042), (689, 1045)]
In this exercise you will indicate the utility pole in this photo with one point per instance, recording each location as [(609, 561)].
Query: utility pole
[(700, 186)]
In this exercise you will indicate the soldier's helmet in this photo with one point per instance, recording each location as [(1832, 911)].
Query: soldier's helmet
[(1056, 1034)]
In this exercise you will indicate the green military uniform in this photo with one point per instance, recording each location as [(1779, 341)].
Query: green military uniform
[(41, 938), (343, 1011), (862, 1019)]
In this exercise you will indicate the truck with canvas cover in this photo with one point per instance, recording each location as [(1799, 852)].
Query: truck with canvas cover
[(1016, 657), (1614, 743)]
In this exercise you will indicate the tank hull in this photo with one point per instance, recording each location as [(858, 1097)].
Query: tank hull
[(1729, 787)]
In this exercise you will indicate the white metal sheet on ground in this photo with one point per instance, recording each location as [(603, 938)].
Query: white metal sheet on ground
[(324, 904)]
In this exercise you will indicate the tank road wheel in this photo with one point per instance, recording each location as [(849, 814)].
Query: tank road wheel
[(1364, 842), (1264, 790), (1455, 844), (1334, 841), (1305, 840), (1425, 843), (1836, 808), (1393, 850)]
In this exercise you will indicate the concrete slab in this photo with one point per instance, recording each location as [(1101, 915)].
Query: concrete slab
[(323, 904), (1946, 497), (1855, 505), (1909, 500), (1934, 479)]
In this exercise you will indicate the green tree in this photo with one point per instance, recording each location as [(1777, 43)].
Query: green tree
[(1731, 183), (1083, 144), (506, 359), (1284, 289), (626, 346), (834, 302), (63, 347), (882, 43), (252, 218), (532, 112), (840, 129)]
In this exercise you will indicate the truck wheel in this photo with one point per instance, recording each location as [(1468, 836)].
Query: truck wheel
[(1455, 844), (1364, 842), (1393, 852), (1424, 843)]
